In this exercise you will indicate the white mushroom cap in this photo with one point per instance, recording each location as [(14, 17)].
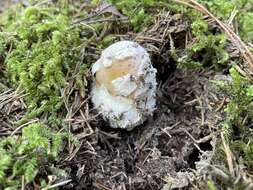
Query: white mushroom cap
[(125, 85)]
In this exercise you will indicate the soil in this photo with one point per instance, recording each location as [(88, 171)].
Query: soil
[(164, 147)]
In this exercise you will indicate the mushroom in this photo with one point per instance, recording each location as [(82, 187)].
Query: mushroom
[(124, 85)]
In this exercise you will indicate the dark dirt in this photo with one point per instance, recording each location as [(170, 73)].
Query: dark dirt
[(161, 147)]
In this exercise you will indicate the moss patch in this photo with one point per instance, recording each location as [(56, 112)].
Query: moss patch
[(24, 155), (42, 47)]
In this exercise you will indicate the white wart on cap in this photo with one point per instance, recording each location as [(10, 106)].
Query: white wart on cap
[(124, 85)]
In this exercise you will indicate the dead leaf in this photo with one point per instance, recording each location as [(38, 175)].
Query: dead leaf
[(106, 7)]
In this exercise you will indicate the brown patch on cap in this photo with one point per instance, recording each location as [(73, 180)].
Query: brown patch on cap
[(119, 68)]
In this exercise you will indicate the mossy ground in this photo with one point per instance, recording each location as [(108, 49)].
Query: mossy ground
[(49, 135)]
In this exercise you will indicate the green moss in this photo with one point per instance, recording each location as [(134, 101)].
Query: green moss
[(23, 156), (207, 50), (239, 117), (40, 48), (210, 43), (243, 9), (141, 13), (106, 41), (43, 48), (241, 99), (244, 149)]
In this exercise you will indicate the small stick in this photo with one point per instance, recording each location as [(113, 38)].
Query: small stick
[(21, 126), (57, 184)]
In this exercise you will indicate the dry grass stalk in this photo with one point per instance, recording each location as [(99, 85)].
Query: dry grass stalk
[(229, 155)]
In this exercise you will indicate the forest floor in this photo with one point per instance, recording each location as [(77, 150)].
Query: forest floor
[(184, 145)]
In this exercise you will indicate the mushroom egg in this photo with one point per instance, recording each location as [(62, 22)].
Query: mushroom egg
[(124, 85)]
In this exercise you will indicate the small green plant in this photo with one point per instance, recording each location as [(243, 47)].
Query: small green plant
[(24, 155)]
